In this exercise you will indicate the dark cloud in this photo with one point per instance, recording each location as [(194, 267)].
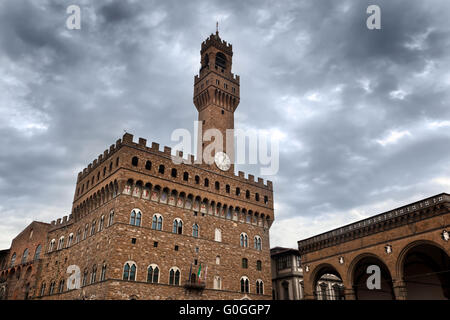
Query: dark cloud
[(363, 115)]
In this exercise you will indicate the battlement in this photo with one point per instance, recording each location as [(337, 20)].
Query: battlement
[(234, 78), (214, 40), (61, 222), (103, 157), (188, 160)]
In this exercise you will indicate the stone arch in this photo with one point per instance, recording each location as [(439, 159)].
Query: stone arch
[(357, 277), (317, 276), (423, 267)]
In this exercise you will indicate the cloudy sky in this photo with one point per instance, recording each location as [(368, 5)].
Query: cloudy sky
[(362, 116)]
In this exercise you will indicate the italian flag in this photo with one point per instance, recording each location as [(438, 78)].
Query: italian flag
[(199, 272)]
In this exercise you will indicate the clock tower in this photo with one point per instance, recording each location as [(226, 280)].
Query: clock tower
[(216, 97)]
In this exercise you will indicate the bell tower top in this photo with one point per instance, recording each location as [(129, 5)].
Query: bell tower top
[(216, 88)]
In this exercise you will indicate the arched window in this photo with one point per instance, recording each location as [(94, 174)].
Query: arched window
[(238, 191), (221, 60), (110, 166), (129, 271), (244, 240), (259, 287), (174, 173), (60, 243), (227, 188), (247, 194), (102, 222), (266, 200), (195, 230), (134, 161), (206, 182), (217, 283), (135, 217), (157, 222), (257, 196), (217, 185), (174, 276), (218, 235), (69, 242), (86, 230), (37, 253), (218, 260), (148, 165), (185, 176), (13, 259), (61, 286), (153, 273), (43, 289), (177, 226), (52, 287), (103, 274), (51, 245), (161, 169), (258, 265), (245, 285), (78, 238), (25, 256), (93, 227), (85, 277), (244, 263), (111, 218), (197, 179), (94, 273), (257, 241)]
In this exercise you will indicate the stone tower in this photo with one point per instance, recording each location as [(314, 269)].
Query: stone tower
[(216, 97)]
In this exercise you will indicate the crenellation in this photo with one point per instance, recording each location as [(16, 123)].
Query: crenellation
[(155, 146), (142, 142), (127, 138), (167, 150)]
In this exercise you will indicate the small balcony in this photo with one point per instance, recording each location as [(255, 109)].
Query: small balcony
[(194, 285)]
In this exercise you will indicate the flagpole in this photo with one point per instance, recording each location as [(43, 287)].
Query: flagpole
[(190, 272)]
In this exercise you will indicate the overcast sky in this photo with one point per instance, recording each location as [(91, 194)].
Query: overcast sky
[(362, 116)]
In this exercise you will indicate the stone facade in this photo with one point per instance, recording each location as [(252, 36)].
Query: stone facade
[(121, 197), (410, 245)]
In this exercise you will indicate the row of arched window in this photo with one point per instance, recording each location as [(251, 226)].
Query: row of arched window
[(177, 228), (245, 285), (37, 254), (256, 241), (87, 278), (153, 276), (130, 271), (174, 174), (89, 230)]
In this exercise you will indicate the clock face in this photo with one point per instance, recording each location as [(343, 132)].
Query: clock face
[(222, 161)]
